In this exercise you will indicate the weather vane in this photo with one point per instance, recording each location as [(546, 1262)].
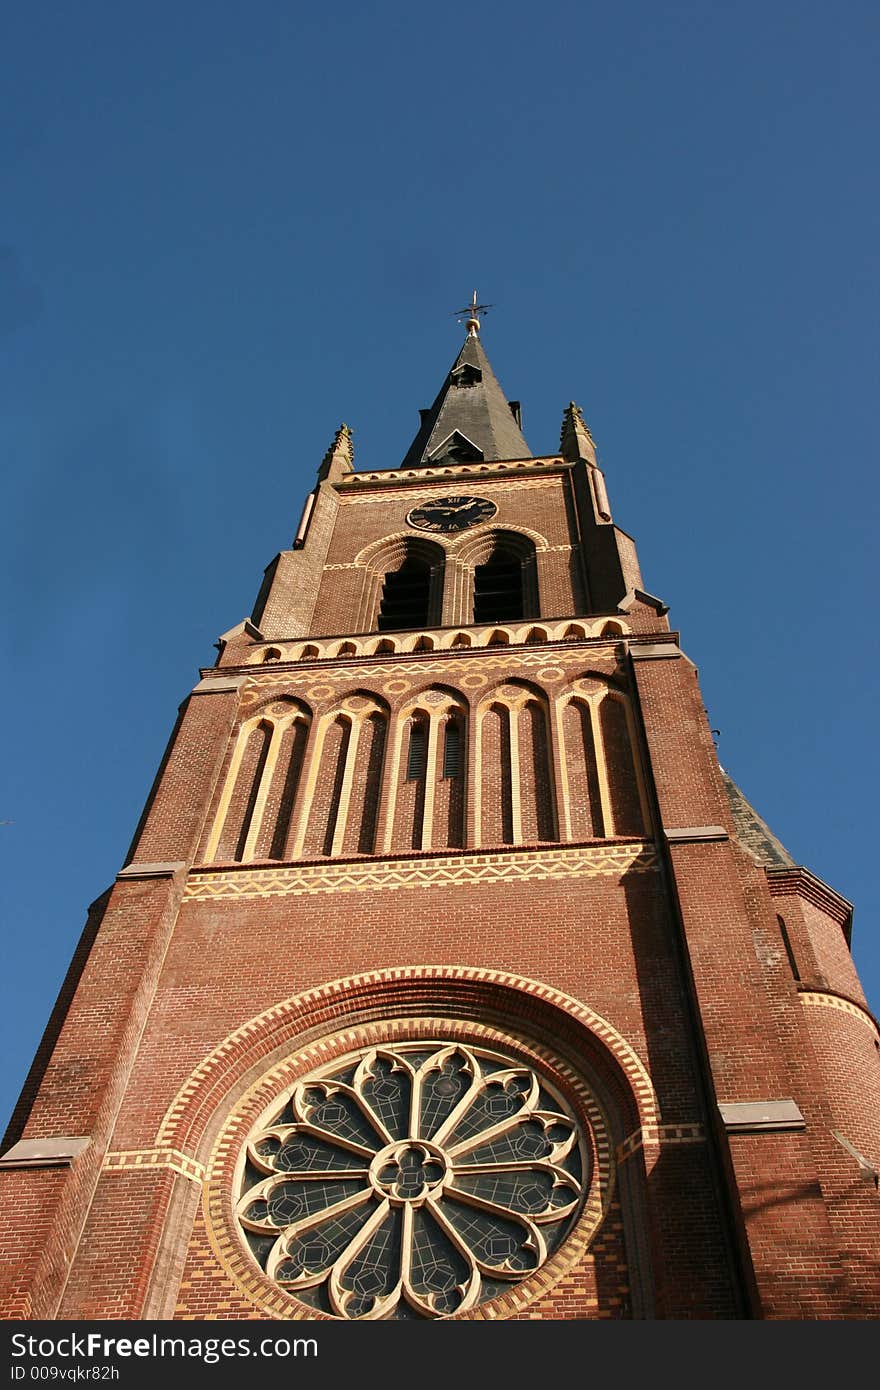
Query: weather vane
[(471, 315)]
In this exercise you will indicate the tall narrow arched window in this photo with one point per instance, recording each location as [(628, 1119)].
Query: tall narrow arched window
[(403, 585), (406, 597), (498, 589), (505, 578)]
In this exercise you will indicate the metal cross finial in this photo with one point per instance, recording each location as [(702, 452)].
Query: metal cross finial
[(471, 314)]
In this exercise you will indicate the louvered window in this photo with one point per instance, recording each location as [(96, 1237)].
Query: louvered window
[(417, 759), (452, 750), (498, 589)]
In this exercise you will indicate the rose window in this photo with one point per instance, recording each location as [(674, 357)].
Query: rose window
[(414, 1180)]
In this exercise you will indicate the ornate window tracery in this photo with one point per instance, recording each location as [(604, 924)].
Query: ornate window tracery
[(412, 1180)]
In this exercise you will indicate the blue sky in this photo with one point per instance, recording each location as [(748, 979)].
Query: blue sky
[(227, 228)]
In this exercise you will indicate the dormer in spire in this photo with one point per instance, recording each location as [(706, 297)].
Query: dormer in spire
[(471, 421)]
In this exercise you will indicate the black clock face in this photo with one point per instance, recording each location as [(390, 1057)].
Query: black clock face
[(451, 513)]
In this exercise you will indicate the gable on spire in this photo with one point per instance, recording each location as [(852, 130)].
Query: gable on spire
[(455, 448)]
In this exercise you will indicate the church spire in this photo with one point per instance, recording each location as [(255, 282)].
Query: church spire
[(471, 421)]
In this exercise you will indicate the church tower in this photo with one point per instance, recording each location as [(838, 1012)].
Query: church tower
[(448, 974)]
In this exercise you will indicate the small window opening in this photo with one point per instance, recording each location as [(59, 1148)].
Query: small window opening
[(452, 750), (272, 654), (417, 760), (789, 950)]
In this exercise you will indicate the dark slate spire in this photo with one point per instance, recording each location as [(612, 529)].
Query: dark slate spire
[(471, 420), (753, 833)]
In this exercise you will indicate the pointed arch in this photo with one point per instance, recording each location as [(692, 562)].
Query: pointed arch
[(404, 584), (625, 794), (537, 809), (579, 757), (341, 803), (241, 811), (496, 783), (256, 801), (516, 801), (363, 817), (409, 809), (429, 772), (500, 569)]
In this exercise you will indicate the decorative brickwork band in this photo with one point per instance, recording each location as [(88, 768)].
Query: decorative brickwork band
[(613, 860), (662, 1135), (834, 1001), (124, 1159)]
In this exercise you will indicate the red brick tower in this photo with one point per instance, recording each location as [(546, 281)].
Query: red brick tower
[(449, 975)]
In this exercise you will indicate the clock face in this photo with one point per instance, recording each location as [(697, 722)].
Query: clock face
[(451, 513)]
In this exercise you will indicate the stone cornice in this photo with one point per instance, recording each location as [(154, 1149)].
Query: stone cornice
[(470, 473), (800, 882)]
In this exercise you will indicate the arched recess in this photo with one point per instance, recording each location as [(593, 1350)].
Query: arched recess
[(428, 777), (340, 803), (403, 584), (602, 789), (581, 793), (585, 1056), (628, 803), (515, 797), (255, 807), (499, 569), (494, 790)]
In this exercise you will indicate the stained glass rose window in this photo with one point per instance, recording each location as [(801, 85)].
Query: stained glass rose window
[(413, 1180)]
